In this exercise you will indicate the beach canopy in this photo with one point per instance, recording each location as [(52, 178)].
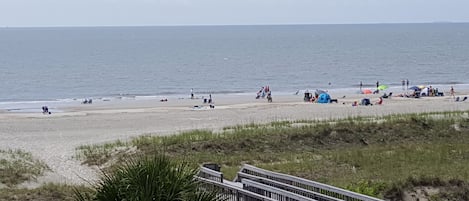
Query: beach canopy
[(424, 92), (319, 91), (382, 87), (367, 91), (324, 98), (415, 88)]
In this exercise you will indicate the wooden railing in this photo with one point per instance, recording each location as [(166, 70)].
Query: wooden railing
[(251, 191), (297, 190), (210, 174), (321, 188), (230, 193), (272, 192)]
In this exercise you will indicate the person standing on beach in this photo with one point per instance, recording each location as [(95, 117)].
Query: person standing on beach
[(377, 86), (361, 85), (192, 93), (451, 92), (269, 97), (407, 84), (403, 84)]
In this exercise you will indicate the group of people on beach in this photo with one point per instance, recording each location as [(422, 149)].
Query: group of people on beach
[(309, 97), (416, 92), (263, 92), (405, 84), (367, 102), (45, 110), (87, 101), (205, 101), (209, 100)]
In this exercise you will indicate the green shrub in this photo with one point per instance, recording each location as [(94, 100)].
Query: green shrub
[(367, 187), (149, 178)]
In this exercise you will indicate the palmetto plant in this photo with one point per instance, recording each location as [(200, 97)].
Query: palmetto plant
[(149, 178)]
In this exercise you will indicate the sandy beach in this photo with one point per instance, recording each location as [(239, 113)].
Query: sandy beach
[(53, 138)]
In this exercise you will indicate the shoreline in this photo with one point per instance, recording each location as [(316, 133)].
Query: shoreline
[(53, 138), (63, 104)]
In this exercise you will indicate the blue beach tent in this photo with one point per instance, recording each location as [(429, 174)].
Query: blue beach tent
[(324, 98)]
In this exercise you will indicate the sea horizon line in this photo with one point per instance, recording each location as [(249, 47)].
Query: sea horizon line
[(230, 25)]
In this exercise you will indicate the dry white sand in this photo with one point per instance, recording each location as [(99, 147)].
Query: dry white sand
[(53, 138)]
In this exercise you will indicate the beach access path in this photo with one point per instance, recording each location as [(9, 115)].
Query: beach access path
[(54, 138)]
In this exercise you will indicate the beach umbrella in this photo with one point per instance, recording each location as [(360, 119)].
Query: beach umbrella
[(367, 91), (382, 87), (415, 88), (421, 87)]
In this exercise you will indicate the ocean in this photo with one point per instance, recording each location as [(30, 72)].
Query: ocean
[(64, 64)]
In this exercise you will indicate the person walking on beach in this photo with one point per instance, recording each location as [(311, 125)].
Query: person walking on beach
[(192, 93), (361, 85), (403, 85), (407, 84)]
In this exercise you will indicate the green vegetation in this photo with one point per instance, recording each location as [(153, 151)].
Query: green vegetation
[(17, 166), (102, 153), (47, 192), (149, 178), (368, 155)]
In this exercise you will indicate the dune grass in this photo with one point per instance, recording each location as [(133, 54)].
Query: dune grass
[(47, 192), (370, 153), (103, 153), (17, 166)]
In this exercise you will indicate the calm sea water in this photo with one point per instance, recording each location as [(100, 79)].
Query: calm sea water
[(65, 63)]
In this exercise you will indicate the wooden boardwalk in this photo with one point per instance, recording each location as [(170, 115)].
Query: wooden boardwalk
[(256, 184)]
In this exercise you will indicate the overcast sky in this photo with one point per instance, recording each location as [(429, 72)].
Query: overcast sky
[(26, 13)]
